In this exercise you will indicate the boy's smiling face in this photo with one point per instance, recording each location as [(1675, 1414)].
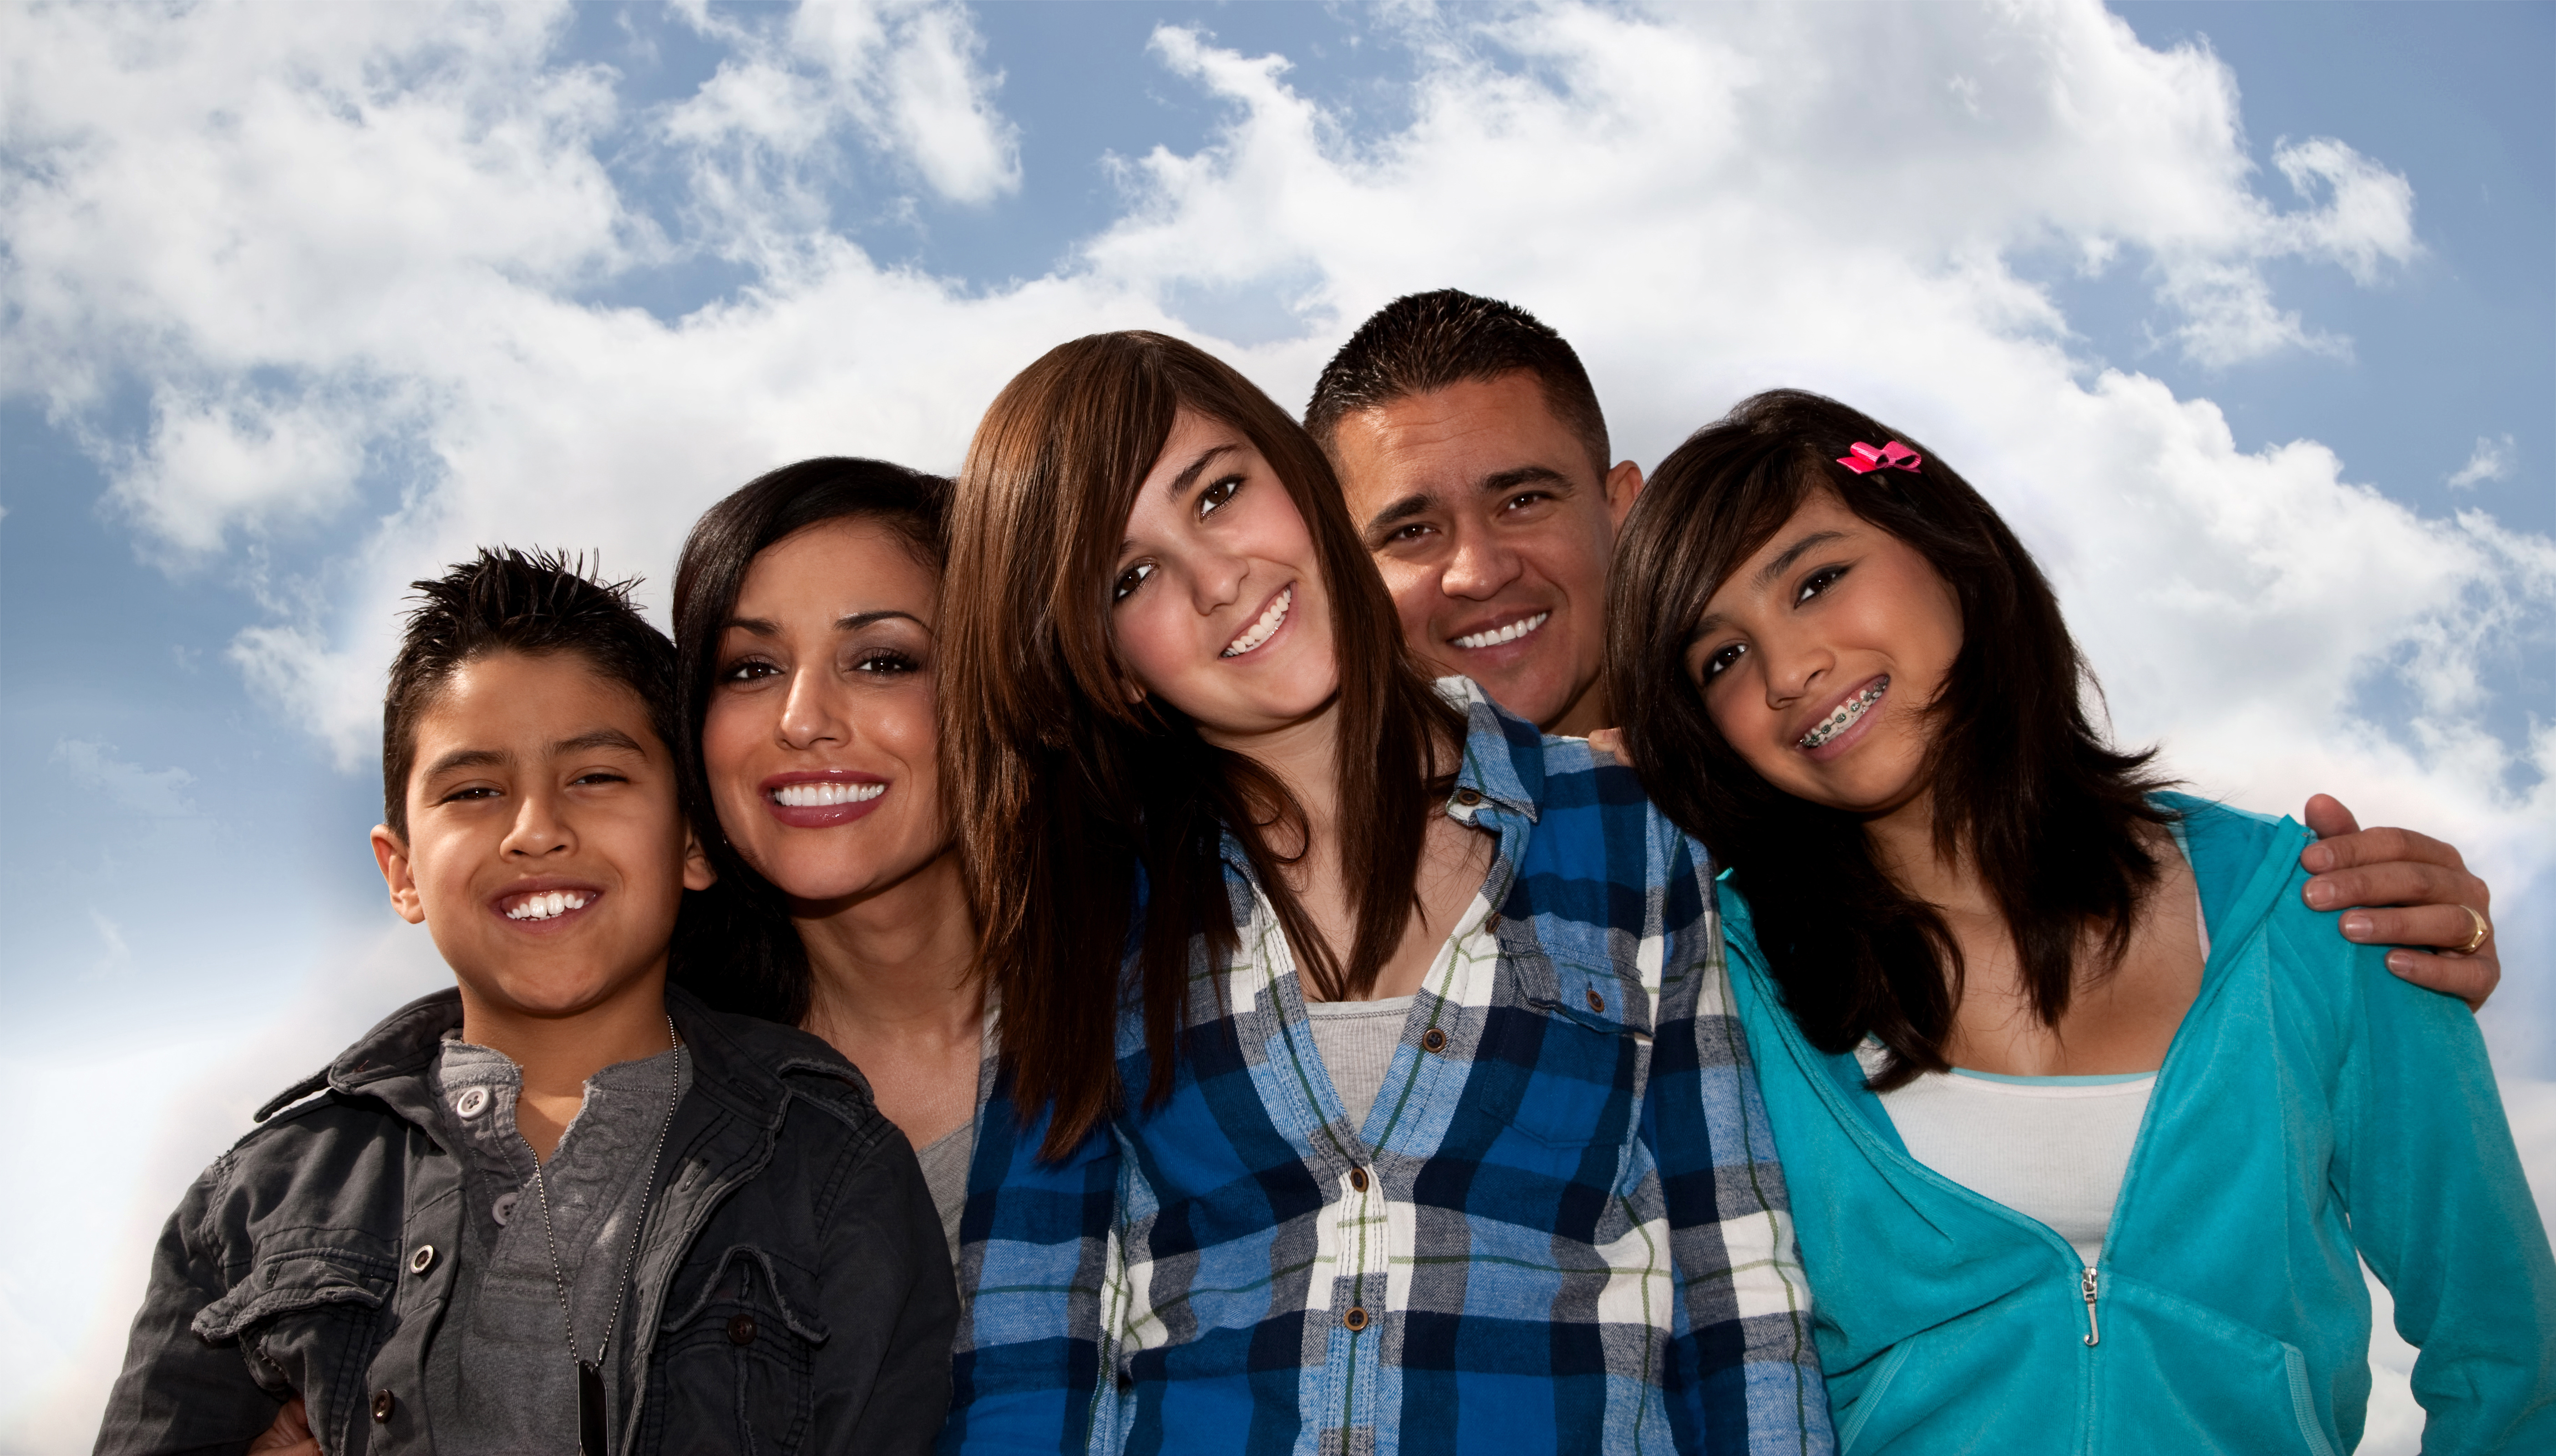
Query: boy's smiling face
[(546, 851)]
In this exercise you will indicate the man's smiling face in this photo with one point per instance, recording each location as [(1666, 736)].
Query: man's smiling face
[(1493, 528)]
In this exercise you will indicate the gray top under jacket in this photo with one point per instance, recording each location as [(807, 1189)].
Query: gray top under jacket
[(510, 1386)]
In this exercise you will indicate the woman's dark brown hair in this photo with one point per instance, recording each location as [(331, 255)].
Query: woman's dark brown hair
[(1070, 800), (734, 945), (2022, 779)]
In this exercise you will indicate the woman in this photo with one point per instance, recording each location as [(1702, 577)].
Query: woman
[(804, 614), (2091, 1121), (1354, 1132)]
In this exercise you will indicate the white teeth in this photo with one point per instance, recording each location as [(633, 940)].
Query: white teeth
[(1509, 633), (1261, 630), (1846, 715), (825, 794), (545, 906)]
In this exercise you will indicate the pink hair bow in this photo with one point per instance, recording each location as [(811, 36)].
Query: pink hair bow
[(1861, 457)]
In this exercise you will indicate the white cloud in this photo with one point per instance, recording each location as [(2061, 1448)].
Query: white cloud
[(2493, 459), (158, 792)]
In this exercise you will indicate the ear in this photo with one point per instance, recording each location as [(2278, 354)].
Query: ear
[(392, 856), (699, 872), (1623, 484)]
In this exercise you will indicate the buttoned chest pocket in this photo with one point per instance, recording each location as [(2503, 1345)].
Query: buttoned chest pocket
[(733, 1362), (1573, 1054), (307, 1319)]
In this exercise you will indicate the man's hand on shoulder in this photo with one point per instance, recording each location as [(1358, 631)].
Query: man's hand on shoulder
[(2405, 889)]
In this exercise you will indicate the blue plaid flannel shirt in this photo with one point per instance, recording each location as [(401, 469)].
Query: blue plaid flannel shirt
[(1561, 1225)]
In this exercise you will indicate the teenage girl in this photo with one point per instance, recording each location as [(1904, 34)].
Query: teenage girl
[(2090, 1122), (1367, 1078)]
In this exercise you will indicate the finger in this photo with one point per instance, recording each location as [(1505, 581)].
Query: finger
[(2440, 927), (2327, 816), (2377, 846), (2397, 882), (1610, 741), (2472, 978)]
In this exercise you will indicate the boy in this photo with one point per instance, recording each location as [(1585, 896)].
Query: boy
[(562, 1207)]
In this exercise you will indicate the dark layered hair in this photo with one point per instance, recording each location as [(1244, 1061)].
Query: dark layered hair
[(2025, 783), (540, 603), (1426, 342), (1069, 795), (735, 946)]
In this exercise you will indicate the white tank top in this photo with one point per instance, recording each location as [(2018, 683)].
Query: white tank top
[(2052, 1148)]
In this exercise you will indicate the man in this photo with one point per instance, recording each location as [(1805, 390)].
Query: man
[(1474, 459)]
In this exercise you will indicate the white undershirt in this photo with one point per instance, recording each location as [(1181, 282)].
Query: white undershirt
[(2052, 1148)]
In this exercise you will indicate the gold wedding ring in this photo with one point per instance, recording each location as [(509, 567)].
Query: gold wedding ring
[(2483, 929)]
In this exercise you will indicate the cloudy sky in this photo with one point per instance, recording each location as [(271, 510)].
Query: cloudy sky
[(2241, 313)]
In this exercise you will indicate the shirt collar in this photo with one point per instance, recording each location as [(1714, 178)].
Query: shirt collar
[(1503, 762)]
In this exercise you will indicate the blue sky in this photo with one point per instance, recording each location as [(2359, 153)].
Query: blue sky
[(273, 350)]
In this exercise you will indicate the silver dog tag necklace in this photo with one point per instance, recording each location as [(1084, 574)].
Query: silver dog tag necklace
[(591, 1436)]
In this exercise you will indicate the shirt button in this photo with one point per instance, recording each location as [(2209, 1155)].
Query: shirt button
[(472, 1102), (1433, 1039), (1469, 797), (1597, 1003), (1358, 1179), (504, 1208), (383, 1405), (740, 1329), (422, 1261), (1355, 1319)]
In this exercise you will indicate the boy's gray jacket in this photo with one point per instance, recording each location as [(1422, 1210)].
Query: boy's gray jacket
[(792, 1291)]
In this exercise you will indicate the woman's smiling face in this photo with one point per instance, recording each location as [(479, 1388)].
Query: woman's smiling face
[(821, 742), (1216, 602), (1819, 654)]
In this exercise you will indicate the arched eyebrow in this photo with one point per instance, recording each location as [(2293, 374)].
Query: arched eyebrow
[(756, 627), (1188, 477), (1793, 553), (1711, 622)]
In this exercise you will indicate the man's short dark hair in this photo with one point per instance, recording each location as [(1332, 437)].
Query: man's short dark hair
[(1426, 342), (537, 604)]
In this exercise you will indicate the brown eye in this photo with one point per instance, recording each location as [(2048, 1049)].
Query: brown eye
[(1129, 581), (1725, 657)]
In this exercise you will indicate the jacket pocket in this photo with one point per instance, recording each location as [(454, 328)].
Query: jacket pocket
[(307, 1319), (733, 1361), (2179, 1376)]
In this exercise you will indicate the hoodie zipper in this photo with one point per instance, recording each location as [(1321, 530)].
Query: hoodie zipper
[(2087, 1286)]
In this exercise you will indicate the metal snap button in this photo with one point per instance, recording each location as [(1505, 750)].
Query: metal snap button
[(1355, 1319), (472, 1102), (383, 1405), (504, 1208), (1469, 797), (422, 1261), (1433, 1039), (740, 1329), (1358, 1179), (1597, 1003)]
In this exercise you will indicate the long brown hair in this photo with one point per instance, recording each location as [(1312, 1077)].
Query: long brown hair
[(2023, 781), (1069, 799)]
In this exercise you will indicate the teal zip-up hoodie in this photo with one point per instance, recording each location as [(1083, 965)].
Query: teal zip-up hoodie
[(2311, 1105)]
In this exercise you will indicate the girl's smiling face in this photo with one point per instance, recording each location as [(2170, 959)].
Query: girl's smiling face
[(820, 741), (1819, 658), (1216, 602)]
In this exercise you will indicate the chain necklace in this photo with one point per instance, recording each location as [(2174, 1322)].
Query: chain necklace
[(591, 1440)]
